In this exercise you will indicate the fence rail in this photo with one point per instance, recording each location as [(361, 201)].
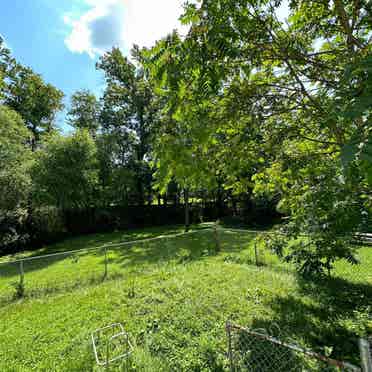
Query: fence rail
[(102, 247), (255, 254), (131, 242)]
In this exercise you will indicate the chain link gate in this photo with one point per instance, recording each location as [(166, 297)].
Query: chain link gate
[(250, 350)]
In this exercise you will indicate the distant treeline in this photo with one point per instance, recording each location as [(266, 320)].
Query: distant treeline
[(49, 225)]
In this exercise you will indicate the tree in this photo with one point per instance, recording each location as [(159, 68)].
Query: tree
[(6, 66), (274, 101), (36, 101), (15, 180), (130, 107), (84, 111), (117, 179), (65, 173), (14, 161)]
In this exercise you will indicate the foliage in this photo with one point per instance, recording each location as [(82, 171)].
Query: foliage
[(129, 116), (65, 173), (357, 89), (36, 101), (117, 177), (248, 107), (14, 160), (274, 105), (6, 66), (15, 180), (84, 112)]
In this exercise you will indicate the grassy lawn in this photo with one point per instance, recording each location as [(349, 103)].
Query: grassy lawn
[(173, 296)]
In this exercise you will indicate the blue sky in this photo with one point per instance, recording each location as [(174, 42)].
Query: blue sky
[(62, 39)]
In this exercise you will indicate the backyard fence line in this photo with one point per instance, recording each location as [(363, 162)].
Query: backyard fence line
[(256, 336), (357, 236), (106, 246), (126, 243), (20, 286), (216, 229)]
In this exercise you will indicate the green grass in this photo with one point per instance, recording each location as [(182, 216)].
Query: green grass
[(173, 296)]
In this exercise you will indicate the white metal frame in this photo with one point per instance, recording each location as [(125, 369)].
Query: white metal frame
[(121, 334)]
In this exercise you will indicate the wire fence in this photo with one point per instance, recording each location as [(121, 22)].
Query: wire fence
[(35, 275), (63, 270), (258, 350)]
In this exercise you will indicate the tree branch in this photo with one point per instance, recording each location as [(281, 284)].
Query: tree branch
[(344, 20)]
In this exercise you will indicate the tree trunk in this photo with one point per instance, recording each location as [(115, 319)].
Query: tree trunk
[(187, 210), (220, 200)]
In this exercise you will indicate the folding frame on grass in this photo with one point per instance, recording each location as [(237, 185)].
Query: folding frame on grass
[(110, 344)]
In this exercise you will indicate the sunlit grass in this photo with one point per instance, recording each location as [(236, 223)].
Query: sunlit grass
[(173, 296)]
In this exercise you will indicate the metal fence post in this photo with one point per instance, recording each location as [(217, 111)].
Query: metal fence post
[(255, 249), (20, 288), (217, 237), (22, 274), (106, 263), (365, 355)]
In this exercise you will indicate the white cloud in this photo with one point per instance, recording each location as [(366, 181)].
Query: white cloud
[(122, 23)]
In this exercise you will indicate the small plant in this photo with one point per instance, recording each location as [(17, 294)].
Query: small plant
[(183, 256), (131, 290), (19, 289), (74, 259)]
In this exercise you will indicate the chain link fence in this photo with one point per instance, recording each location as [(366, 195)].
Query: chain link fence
[(257, 350), (252, 247), (37, 275), (75, 268), (50, 273), (68, 269)]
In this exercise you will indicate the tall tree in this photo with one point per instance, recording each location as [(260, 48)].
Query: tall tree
[(84, 111), (8, 68), (117, 178), (36, 101), (129, 106), (15, 160), (15, 180)]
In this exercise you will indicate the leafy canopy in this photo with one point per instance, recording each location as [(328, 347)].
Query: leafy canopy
[(65, 173), (280, 106)]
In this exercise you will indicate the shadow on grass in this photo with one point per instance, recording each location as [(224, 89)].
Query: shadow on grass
[(182, 249)]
